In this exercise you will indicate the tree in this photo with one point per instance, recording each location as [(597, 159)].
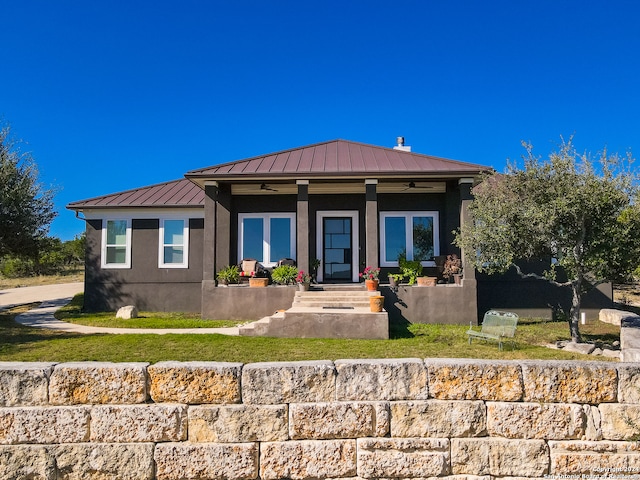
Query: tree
[(26, 207), (577, 214)]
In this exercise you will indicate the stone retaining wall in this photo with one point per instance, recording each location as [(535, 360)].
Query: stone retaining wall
[(629, 324), (402, 418)]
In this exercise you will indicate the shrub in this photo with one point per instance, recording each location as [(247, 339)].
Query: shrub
[(284, 274)]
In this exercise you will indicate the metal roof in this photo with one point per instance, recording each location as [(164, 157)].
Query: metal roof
[(335, 159), (338, 158), (178, 193)]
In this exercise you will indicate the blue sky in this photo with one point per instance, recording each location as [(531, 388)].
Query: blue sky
[(114, 95)]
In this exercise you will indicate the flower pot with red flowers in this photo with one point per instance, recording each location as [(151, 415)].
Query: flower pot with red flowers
[(303, 280), (370, 276)]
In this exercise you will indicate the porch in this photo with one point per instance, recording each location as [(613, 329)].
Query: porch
[(444, 303)]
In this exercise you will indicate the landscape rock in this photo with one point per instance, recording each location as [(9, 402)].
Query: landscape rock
[(569, 382), (460, 379), (438, 418), (620, 421), (104, 461), (195, 382), (127, 313), (139, 423), (629, 383), (317, 421), (595, 459), (583, 348), (403, 457), (535, 420), (23, 384), (238, 423), (98, 383), (44, 425), (31, 462), (228, 461), (499, 457), (308, 459), (288, 382), (387, 379)]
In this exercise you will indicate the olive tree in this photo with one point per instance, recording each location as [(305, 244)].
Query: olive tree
[(26, 207), (577, 213)]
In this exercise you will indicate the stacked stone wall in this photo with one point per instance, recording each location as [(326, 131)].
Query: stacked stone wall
[(369, 419)]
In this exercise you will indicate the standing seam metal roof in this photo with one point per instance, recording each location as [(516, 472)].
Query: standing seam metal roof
[(337, 157), (178, 193)]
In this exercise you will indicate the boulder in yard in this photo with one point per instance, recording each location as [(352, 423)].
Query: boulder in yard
[(127, 312)]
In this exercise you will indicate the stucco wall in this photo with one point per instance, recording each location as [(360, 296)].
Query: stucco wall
[(394, 418), (144, 284)]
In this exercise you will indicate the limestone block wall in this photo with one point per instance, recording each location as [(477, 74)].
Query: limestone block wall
[(394, 418)]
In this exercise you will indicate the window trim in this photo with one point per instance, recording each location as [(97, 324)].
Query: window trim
[(409, 215), (103, 249), (162, 245), (266, 234)]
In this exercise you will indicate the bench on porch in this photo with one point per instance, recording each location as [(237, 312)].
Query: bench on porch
[(495, 326)]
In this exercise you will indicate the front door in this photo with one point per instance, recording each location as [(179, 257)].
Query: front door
[(337, 243)]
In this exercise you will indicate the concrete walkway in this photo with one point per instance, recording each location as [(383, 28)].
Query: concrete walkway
[(54, 297)]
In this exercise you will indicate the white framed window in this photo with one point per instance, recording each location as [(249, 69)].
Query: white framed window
[(116, 243), (416, 234), (173, 243), (267, 237)]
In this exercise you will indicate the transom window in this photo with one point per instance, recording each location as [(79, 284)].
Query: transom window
[(414, 234), (174, 242), (266, 237), (116, 244)]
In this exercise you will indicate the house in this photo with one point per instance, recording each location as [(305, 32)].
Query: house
[(345, 203)]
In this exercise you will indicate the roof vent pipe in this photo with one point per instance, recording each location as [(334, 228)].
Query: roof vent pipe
[(401, 145)]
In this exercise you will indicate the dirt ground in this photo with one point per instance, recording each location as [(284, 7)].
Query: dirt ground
[(627, 294)]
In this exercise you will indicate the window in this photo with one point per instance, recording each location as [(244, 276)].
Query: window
[(266, 237), (415, 234), (174, 242), (116, 244)]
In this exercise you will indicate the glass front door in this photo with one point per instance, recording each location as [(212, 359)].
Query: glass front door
[(337, 249)]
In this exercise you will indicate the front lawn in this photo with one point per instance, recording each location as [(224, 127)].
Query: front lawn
[(18, 343)]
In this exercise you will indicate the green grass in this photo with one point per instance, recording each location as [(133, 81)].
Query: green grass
[(18, 343), (72, 313)]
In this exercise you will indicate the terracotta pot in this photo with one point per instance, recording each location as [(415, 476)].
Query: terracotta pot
[(376, 303), (372, 285), (457, 278), (258, 282), (427, 281), (304, 287)]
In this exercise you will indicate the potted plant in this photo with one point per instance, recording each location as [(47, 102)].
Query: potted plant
[(303, 280), (259, 278), (395, 279), (314, 264), (370, 276), (452, 268), (411, 269), (228, 274), (284, 274)]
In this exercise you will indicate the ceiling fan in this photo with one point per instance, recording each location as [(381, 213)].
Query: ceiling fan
[(411, 185), (264, 186)]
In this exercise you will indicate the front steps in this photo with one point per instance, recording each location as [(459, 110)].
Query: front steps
[(325, 313)]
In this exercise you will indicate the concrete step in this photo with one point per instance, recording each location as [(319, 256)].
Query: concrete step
[(333, 313), (337, 298), (309, 322), (262, 327)]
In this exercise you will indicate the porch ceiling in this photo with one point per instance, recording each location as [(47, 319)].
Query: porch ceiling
[(324, 188)]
